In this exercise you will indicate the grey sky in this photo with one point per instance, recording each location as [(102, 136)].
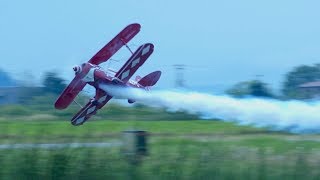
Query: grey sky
[(221, 42)]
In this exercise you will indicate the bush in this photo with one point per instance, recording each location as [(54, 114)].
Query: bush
[(15, 110)]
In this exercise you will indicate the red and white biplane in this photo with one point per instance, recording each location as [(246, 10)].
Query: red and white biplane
[(90, 73)]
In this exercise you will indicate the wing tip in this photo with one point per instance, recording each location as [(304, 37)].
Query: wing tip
[(136, 25), (59, 106), (149, 44), (74, 123)]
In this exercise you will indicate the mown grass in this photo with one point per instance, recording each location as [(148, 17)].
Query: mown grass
[(112, 111), (18, 130), (192, 149), (169, 158)]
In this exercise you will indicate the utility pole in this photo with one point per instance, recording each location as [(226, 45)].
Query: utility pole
[(179, 69), (259, 76)]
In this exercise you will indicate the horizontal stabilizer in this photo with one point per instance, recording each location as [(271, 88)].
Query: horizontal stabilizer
[(150, 79)]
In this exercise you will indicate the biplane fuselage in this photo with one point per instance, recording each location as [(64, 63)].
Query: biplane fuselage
[(91, 73), (94, 75)]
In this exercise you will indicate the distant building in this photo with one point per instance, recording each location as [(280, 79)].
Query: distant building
[(15, 95), (310, 85), (312, 88)]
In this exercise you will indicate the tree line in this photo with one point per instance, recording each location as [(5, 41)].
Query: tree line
[(290, 87), (53, 84)]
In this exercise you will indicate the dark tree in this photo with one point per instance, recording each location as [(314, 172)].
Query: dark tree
[(259, 89), (5, 79), (250, 88), (53, 83), (299, 75), (240, 89)]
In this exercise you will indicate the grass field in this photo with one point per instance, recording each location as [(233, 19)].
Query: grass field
[(192, 149), (57, 130)]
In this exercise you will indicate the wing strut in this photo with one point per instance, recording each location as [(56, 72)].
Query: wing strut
[(124, 43), (77, 103)]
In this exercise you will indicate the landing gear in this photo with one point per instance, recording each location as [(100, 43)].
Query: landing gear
[(116, 81)]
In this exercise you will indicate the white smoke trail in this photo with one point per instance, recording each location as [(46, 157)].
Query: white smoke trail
[(293, 116)]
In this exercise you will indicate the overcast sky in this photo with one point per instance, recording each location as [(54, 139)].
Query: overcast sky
[(221, 42)]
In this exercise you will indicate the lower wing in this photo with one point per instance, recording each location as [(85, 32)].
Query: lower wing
[(134, 62), (69, 93), (91, 108)]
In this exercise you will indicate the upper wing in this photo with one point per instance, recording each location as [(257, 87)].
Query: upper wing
[(115, 44), (91, 108), (134, 62)]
